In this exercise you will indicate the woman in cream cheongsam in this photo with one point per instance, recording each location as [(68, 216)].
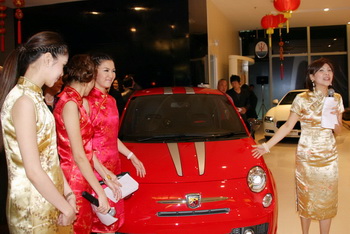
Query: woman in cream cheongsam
[(316, 162), (39, 199)]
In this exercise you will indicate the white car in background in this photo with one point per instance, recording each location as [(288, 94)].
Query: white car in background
[(279, 114)]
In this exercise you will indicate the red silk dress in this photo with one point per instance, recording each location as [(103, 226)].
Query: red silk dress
[(76, 180), (105, 120)]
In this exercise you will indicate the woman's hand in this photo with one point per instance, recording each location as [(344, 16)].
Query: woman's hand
[(114, 185), (140, 169), (71, 199), (67, 218), (103, 207), (259, 151), (335, 111)]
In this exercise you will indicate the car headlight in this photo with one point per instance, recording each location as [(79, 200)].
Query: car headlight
[(268, 119), (256, 179)]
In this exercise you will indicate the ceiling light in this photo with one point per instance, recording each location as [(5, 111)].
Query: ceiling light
[(140, 8), (133, 29), (326, 9), (94, 13)]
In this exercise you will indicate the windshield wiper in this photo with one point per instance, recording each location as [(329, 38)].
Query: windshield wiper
[(229, 134), (187, 137)]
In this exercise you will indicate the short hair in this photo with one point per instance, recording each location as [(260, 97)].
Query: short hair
[(314, 67), (235, 78)]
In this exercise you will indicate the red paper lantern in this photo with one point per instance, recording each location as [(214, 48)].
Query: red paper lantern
[(269, 22), (19, 16), (286, 6)]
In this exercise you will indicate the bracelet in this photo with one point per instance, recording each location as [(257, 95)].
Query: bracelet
[(266, 147), (130, 155), (68, 195)]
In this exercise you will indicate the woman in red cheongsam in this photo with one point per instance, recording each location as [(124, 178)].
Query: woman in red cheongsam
[(75, 131), (106, 145)]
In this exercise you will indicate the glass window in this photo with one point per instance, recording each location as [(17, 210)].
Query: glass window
[(294, 70), (294, 42), (289, 98), (181, 118), (328, 38)]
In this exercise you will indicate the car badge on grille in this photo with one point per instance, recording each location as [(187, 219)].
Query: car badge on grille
[(193, 200)]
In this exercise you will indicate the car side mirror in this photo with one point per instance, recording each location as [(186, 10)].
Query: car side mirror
[(275, 101)]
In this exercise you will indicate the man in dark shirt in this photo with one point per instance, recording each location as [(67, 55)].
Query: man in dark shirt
[(240, 97)]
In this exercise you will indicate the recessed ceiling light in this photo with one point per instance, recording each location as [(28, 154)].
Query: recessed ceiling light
[(140, 8), (326, 9), (94, 13)]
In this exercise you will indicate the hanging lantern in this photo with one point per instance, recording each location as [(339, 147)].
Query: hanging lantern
[(2, 25), (286, 6), (19, 16), (269, 22), (281, 20)]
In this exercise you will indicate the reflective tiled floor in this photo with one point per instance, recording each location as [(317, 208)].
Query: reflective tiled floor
[(281, 162)]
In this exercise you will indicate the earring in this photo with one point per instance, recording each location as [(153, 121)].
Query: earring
[(313, 85)]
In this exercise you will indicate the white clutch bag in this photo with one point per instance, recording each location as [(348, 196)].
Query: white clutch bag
[(129, 185)]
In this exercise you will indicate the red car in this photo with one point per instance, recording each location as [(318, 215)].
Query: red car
[(201, 176)]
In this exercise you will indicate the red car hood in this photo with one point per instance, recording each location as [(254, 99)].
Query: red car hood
[(193, 161)]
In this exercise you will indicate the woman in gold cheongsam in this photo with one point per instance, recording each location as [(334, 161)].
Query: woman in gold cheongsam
[(316, 162), (39, 199)]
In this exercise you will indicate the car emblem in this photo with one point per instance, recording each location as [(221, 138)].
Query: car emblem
[(193, 200)]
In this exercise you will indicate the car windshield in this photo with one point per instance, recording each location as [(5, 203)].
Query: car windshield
[(288, 99), (180, 118)]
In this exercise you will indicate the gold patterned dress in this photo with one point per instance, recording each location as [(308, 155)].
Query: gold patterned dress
[(316, 159), (27, 210)]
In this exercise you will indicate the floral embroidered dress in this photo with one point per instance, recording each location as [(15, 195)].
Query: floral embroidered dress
[(74, 176), (27, 210), (105, 120), (316, 159)]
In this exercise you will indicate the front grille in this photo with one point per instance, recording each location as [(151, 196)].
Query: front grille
[(280, 123), (193, 212), (257, 229)]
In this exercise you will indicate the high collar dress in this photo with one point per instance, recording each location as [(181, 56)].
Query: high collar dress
[(316, 169), (105, 120), (27, 210), (71, 170)]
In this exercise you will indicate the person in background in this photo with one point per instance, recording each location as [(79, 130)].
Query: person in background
[(75, 133), (222, 85), (106, 145), (50, 94), (114, 92), (316, 161), (129, 87), (39, 198), (240, 97)]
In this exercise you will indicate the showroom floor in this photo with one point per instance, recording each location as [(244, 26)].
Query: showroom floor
[(281, 163)]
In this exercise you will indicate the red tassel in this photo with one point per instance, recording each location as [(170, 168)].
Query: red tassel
[(2, 38), (282, 71), (19, 32)]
